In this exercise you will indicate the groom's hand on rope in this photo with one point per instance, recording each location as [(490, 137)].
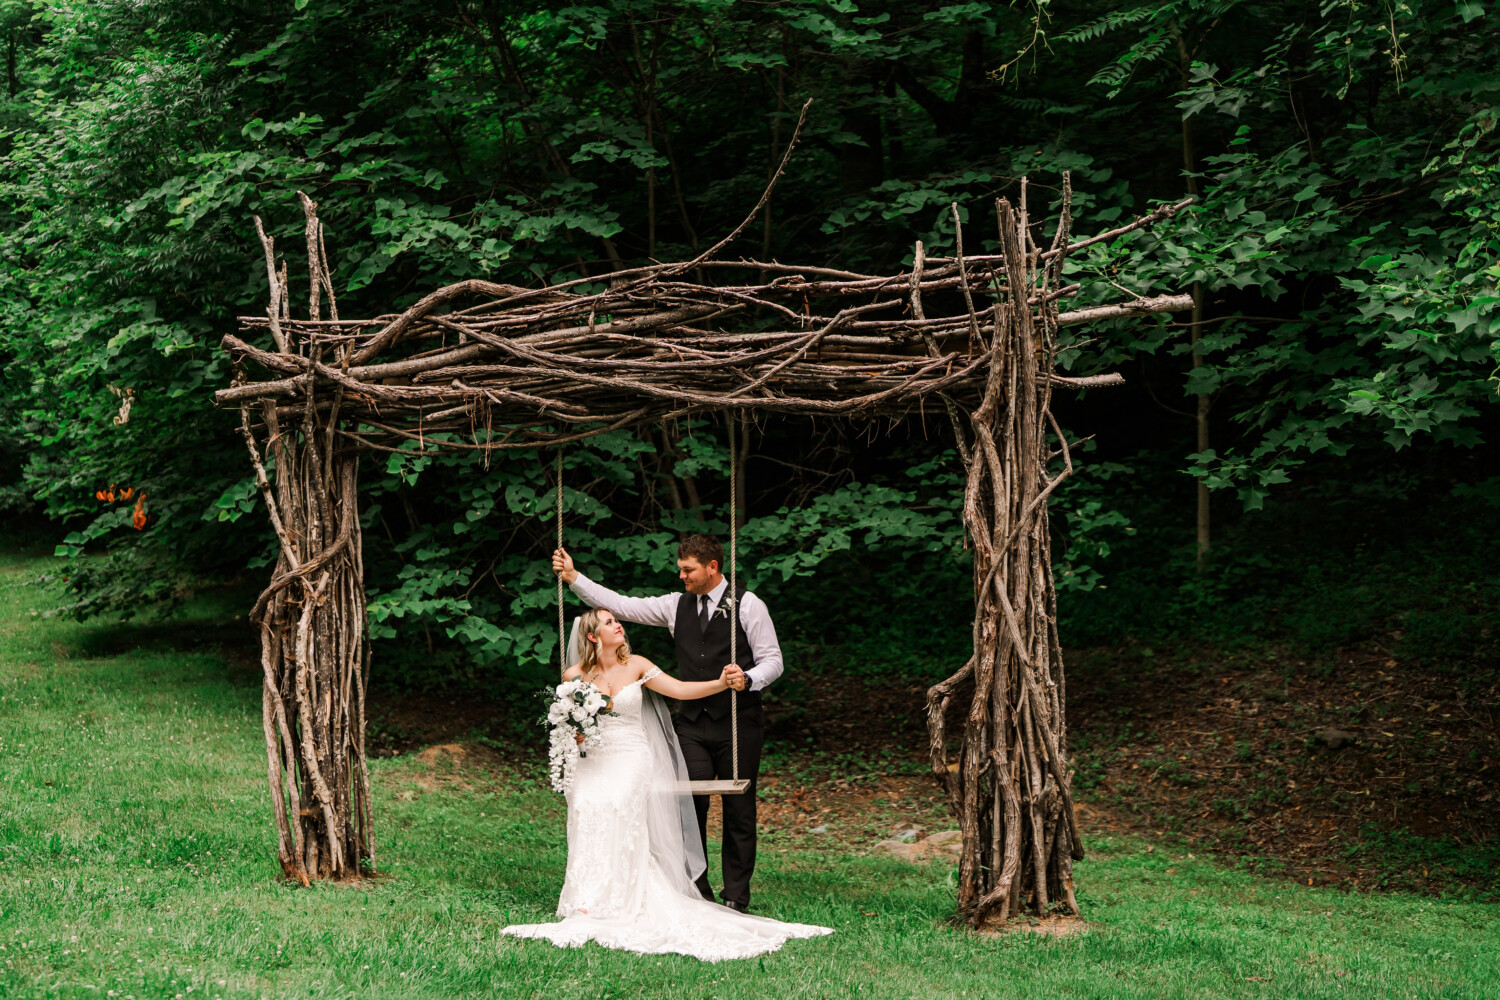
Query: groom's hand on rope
[(734, 677), (562, 565)]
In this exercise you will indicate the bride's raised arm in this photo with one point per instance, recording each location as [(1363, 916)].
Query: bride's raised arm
[(671, 687)]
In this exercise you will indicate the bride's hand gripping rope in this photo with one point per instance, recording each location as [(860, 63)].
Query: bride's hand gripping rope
[(562, 565)]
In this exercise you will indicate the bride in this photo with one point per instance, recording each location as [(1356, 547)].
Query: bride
[(633, 847)]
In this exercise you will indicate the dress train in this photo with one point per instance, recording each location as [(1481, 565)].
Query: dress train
[(615, 892)]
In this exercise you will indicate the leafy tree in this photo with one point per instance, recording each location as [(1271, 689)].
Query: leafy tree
[(1343, 252)]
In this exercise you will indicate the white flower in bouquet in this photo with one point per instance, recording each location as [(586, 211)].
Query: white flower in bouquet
[(575, 710)]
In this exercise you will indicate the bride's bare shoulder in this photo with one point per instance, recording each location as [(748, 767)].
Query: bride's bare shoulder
[(639, 665)]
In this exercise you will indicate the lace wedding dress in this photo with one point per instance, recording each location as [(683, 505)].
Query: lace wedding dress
[(616, 891)]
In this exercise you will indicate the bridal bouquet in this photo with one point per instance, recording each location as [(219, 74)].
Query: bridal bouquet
[(575, 709)]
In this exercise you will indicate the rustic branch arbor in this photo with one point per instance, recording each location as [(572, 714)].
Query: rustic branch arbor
[(493, 367)]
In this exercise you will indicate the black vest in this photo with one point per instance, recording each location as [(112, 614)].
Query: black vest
[(702, 656)]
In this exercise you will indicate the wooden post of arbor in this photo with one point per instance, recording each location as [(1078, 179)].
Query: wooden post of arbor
[(1011, 789), (490, 367), (314, 650)]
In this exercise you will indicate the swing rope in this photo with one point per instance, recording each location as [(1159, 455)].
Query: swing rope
[(734, 604), (734, 595)]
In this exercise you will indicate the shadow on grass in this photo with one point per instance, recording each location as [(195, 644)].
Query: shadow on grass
[(234, 639), (211, 622)]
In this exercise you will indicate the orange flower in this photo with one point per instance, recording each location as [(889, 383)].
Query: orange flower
[(139, 519), (114, 492)]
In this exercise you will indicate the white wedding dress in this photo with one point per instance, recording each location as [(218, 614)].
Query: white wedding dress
[(615, 892)]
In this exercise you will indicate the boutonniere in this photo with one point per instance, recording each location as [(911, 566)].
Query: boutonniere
[(724, 608)]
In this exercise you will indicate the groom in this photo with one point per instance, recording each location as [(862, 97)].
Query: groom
[(699, 623)]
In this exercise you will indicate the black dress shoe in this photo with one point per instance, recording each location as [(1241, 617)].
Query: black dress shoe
[(735, 904)]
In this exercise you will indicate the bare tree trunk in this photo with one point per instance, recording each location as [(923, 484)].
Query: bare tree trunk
[(12, 81), (773, 157), (1204, 402)]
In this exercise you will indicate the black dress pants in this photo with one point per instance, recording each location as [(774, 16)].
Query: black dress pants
[(707, 749)]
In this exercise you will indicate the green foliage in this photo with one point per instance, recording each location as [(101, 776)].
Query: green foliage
[(1402, 557), (1391, 251), (1086, 519), (883, 519), (1345, 156)]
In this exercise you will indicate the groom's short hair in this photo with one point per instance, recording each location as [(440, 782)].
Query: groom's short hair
[(704, 548)]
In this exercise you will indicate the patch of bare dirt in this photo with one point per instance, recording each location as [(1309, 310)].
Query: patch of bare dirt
[(1321, 772), (444, 753), (446, 767), (403, 721), (1053, 927)]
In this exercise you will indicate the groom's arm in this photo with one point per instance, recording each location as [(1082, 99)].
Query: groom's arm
[(660, 610), (755, 618)]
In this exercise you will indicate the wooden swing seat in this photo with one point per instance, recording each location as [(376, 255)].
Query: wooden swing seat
[(718, 786)]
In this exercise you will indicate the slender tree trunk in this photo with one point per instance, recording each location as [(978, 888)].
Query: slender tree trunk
[(1204, 522), (862, 165), (693, 499), (648, 112), (665, 459), (1204, 402), (11, 79), (773, 158), (650, 205)]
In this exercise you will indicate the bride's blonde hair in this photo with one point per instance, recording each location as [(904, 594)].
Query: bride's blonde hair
[(589, 661)]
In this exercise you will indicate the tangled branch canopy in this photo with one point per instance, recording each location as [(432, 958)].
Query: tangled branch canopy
[(492, 366)]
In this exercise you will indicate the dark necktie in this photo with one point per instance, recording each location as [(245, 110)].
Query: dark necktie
[(703, 613)]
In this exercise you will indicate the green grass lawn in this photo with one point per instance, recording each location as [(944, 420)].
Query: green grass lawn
[(137, 860)]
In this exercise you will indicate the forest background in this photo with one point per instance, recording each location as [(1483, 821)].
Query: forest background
[(1296, 469)]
